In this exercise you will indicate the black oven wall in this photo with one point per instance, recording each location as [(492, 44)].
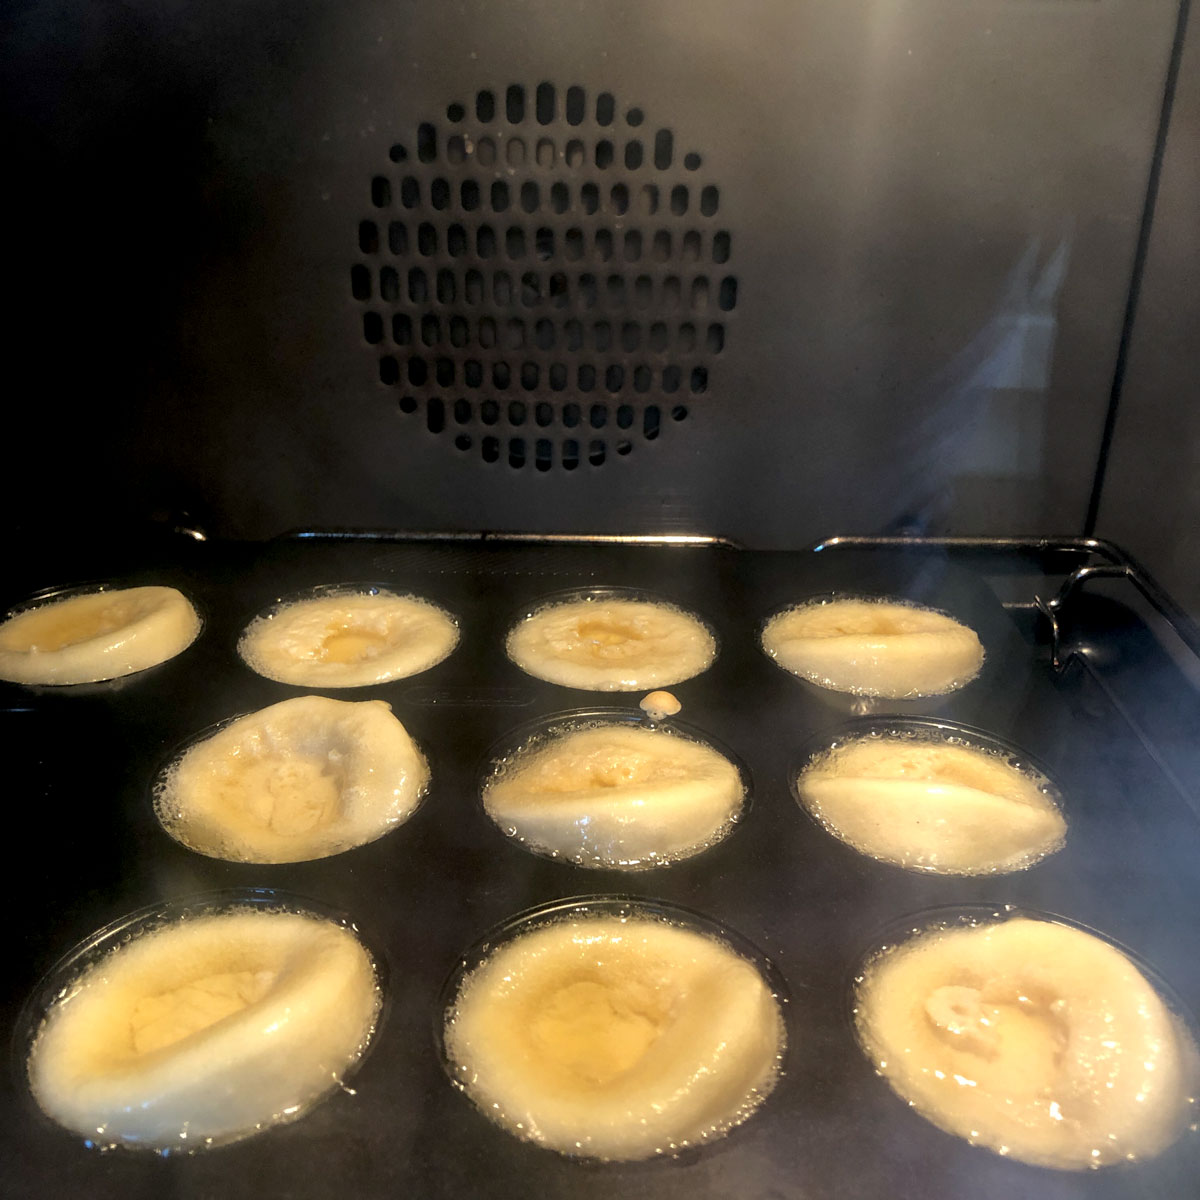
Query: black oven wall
[(773, 271)]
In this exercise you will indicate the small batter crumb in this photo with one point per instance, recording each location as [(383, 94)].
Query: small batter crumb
[(660, 705)]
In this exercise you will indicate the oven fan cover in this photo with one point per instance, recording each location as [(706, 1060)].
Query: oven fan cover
[(543, 282)]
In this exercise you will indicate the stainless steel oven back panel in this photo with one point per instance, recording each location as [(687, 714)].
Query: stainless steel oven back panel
[(847, 266)]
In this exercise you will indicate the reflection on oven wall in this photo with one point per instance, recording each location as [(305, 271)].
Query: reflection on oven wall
[(913, 191), (987, 409)]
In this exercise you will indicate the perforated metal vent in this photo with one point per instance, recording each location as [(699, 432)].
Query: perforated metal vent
[(542, 281)]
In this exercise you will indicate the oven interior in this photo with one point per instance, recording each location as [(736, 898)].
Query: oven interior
[(485, 302)]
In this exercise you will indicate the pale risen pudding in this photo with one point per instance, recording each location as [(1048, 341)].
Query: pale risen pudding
[(603, 643), (922, 802), (206, 1029), (302, 779), (86, 637), (1035, 1039), (615, 794), (615, 1038), (878, 648), (348, 639)]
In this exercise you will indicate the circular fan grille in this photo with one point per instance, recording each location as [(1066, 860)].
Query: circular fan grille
[(542, 282)]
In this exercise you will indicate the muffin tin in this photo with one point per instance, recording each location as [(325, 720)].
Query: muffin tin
[(91, 851)]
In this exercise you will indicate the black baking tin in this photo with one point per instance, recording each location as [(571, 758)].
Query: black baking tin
[(90, 851)]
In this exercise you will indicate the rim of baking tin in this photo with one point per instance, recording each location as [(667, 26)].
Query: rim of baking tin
[(171, 757), (54, 983), (928, 729), (902, 930), (98, 687), (522, 739), (332, 591), (623, 906), (517, 615)]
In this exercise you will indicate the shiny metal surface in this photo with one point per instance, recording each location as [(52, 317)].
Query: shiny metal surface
[(1151, 496), (933, 209)]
